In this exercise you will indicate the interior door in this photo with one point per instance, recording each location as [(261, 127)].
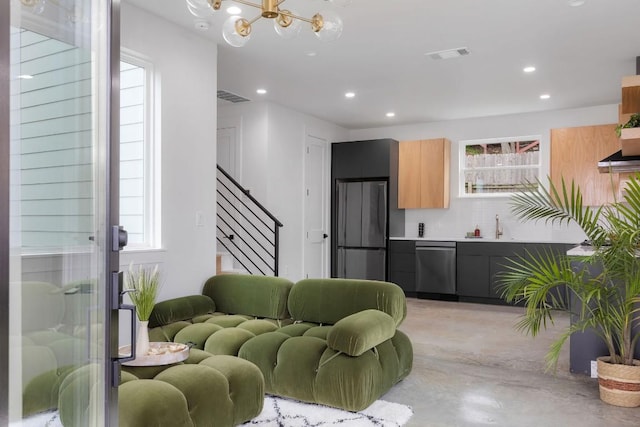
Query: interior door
[(315, 248), (226, 150), (60, 186)]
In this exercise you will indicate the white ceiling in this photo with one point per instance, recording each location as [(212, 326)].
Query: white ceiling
[(581, 54)]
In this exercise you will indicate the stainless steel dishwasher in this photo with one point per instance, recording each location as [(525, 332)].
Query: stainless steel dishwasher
[(436, 267)]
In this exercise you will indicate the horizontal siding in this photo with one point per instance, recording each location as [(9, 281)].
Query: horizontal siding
[(68, 207), (46, 143), (57, 174), (57, 158), (56, 224), (56, 147), (60, 190), (132, 152), (38, 239)]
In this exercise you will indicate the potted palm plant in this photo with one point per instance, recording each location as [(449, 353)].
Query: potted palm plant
[(143, 285), (607, 303)]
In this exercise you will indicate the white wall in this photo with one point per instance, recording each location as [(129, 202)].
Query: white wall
[(273, 141), (464, 214), (186, 66), (254, 143)]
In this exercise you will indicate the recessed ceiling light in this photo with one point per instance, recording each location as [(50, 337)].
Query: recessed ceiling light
[(25, 76), (391, 114), (576, 3), (311, 54), (349, 94), (545, 96), (261, 91), (529, 69)]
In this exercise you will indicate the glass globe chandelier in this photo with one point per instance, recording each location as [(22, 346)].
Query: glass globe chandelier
[(236, 30)]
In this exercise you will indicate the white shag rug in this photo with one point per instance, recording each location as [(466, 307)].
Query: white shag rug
[(280, 412)]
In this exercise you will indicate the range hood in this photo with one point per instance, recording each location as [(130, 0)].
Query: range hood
[(617, 163)]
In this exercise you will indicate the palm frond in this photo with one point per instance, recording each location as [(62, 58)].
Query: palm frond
[(607, 302)]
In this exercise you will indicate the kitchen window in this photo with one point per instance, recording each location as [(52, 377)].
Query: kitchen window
[(499, 166)]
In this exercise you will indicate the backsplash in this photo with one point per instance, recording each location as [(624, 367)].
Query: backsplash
[(465, 214)]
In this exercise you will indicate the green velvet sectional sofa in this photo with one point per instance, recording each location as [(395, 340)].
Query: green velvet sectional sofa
[(328, 341)]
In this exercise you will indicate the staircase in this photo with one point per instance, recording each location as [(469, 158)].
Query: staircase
[(246, 232)]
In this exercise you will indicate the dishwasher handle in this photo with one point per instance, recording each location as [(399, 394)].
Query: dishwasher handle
[(435, 243)]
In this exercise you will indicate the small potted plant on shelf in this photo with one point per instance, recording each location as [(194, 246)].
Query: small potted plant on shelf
[(634, 122), (606, 303), (143, 285), (629, 134)]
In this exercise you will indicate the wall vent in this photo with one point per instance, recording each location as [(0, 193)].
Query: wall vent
[(231, 97), (449, 53)]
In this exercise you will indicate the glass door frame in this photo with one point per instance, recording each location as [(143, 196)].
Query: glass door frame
[(5, 81), (111, 37), (112, 261)]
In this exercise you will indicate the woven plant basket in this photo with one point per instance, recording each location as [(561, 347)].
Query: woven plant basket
[(619, 384)]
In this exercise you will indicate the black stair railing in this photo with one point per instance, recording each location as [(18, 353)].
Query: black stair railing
[(245, 228)]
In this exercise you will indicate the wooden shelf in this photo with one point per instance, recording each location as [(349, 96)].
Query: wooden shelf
[(630, 95), (630, 141)]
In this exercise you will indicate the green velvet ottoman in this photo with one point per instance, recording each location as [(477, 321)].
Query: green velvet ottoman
[(204, 391)]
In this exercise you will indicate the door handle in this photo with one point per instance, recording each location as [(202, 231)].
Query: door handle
[(119, 238), (325, 235), (132, 309), (118, 293)]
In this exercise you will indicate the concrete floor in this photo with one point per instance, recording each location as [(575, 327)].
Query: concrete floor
[(472, 368)]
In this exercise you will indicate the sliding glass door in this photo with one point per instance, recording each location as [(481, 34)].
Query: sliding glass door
[(58, 198)]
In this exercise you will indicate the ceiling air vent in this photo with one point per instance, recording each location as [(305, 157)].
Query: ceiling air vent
[(449, 53), (231, 97)]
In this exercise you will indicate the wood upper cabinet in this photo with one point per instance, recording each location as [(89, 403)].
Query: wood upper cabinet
[(575, 153), (423, 173)]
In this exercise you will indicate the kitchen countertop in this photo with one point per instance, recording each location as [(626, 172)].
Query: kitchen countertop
[(478, 239), (581, 251)]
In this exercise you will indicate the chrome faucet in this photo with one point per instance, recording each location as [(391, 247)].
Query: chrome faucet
[(498, 229)]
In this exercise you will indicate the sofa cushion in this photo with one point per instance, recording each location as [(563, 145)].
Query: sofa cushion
[(198, 333), (318, 332), (167, 332), (258, 326), (361, 331), (326, 301), (143, 402), (256, 296), (227, 341), (230, 321), (296, 329), (183, 308), (246, 385), (198, 384)]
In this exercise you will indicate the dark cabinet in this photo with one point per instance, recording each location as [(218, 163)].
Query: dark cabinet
[(499, 264), (479, 265), (402, 265), (362, 159), (472, 274)]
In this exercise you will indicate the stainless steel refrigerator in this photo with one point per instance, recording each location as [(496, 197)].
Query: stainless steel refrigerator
[(361, 251)]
